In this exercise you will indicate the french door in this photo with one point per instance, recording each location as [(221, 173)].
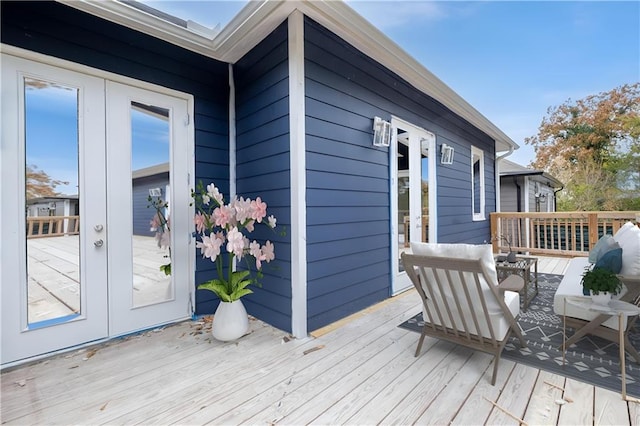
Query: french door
[(82, 159), (413, 191)]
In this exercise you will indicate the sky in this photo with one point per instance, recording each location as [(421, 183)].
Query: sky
[(511, 60)]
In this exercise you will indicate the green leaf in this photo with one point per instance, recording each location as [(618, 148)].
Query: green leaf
[(218, 287), (166, 269)]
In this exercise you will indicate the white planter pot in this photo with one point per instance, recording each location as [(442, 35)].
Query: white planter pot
[(230, 321), (603, 298)]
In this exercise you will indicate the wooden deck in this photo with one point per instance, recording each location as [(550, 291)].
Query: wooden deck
[(358, 371)]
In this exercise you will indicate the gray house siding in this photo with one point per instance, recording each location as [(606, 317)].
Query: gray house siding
[(348, 222), (509, 194), (58, 30), (262, 165)]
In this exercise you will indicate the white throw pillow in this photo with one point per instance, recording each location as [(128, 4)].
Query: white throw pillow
[(629, 240), (460, 251)]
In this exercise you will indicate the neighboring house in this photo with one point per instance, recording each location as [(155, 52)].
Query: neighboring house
[(526, 190), (65, 205), (151, 181), (280, 104)]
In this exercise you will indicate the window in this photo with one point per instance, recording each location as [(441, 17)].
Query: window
[(477, 183)]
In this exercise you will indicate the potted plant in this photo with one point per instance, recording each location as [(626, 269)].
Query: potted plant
[(222, 231), (511, 255), (601, 284)]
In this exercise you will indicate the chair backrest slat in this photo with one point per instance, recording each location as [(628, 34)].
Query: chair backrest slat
[(454, 294)]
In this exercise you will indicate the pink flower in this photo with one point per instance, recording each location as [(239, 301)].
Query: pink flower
[(235, 242), (163, 239), (223, 216), (210, 247), (249, 225), (272, 221), (258, 210), (200, 221), (254, 250), (155, 223), (242, 208), (214, 193), (268, 251)]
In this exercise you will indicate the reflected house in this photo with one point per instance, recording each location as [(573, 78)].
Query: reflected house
[(150, 181), (62, 205)]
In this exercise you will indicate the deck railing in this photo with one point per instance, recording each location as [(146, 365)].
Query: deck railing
[(555, 234), (52, 226)]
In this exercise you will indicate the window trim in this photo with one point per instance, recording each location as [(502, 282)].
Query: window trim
[(477, 152)]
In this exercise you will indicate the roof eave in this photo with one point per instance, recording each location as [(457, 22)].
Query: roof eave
[(258, 18)]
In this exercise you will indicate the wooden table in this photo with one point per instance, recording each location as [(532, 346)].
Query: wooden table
[(521, 267)]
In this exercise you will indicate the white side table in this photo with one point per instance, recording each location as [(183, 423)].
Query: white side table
[(614, 308)]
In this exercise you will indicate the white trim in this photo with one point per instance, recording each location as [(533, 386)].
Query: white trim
[(259, 18), (298, 177), (232, 134), (399, 281)]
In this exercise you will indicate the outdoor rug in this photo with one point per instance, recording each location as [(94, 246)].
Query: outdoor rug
[(591, 359)]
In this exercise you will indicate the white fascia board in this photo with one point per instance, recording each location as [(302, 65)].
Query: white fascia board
[(130, 17)]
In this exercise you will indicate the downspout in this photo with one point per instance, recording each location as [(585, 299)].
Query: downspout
[(497, 174), (555, 199), (518, 194)]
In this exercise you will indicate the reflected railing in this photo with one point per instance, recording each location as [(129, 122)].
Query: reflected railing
[(555, 234), (52, 226)]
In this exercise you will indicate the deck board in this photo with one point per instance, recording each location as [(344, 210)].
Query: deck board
[(362, 371)]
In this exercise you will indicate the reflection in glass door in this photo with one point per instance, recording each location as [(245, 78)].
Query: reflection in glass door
[(151, 214), (52, 202)]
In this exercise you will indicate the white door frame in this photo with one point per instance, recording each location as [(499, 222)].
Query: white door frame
[(400, 281), (12, 217)]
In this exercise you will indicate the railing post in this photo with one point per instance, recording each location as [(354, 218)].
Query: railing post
[(593, 229), (493, 217)]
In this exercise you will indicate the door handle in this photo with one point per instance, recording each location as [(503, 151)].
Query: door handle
[(98, 243)]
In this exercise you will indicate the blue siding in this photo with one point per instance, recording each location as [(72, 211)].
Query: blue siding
[(348, 179), (262, 112), (58, 30)]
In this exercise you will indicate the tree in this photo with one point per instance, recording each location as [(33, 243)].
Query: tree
[(40, 184), (593, 147)]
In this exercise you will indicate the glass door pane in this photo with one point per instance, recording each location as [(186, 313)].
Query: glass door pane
[(424, 189), (403, 180), (151, 212), (52, 202)]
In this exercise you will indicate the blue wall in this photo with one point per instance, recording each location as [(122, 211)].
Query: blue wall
[(262, 154), (347, 178), (58, 30)]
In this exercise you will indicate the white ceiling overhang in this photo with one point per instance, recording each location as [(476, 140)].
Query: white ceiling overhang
[(259, 18)]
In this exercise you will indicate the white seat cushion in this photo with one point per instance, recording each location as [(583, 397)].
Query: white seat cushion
[(571, 286)]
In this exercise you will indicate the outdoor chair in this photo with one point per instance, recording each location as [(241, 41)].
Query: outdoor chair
[(462, 300)]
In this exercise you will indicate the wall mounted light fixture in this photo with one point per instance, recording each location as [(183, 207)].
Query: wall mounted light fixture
[(381, 132), (446, 154)]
